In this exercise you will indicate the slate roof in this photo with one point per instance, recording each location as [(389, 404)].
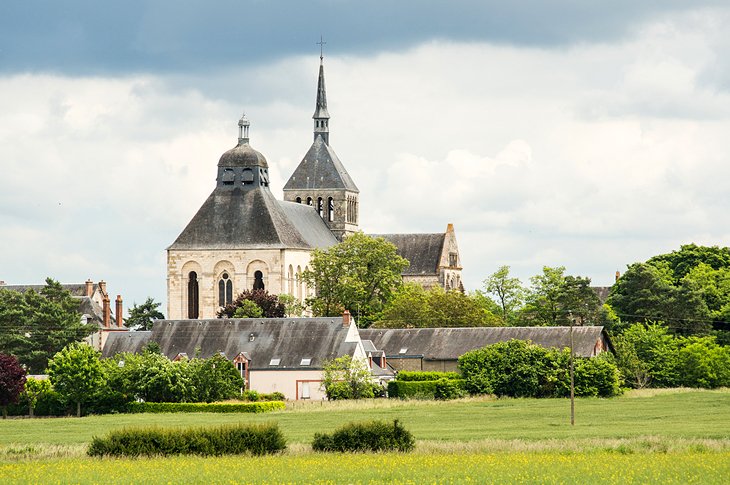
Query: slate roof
[(450, 343), (320, 169), (602, 292), (287, 339), (423, 251), (131, 342), (312, 228), (242, 155), (75, 289), (237, 219)]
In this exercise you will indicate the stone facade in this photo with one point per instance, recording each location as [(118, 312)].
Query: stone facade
[(280, 273)]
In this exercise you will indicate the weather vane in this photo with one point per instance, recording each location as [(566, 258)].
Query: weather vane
[(321, 44)]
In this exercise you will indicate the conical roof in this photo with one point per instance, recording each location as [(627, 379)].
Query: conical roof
[(320, 169)]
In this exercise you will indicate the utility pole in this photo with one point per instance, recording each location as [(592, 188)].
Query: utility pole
[(572, 374)]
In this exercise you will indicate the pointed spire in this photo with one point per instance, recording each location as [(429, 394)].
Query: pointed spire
[(243, 125), (321, 116)]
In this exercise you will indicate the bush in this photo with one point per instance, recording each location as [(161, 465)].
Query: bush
[(224, 440), (440, 389), (187, 407), (366, 436), (406, 375), (522, 369), (255, 396)]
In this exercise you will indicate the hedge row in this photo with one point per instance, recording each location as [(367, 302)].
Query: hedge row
[(190, 407), (223, 440), (406, 375), (440, 389), (255, 396), (366, 436)]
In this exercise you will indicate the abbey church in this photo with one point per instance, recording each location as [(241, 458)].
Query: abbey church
[(242, 237)]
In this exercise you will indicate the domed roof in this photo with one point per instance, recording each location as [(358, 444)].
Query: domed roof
[(242, 156)]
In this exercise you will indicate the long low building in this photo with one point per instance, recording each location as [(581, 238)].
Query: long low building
[(273, 354), (438, 349)]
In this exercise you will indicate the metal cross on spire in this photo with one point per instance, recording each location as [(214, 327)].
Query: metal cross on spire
[(321, 44)]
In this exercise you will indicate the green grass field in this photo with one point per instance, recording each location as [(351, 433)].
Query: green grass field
[(673, 436)]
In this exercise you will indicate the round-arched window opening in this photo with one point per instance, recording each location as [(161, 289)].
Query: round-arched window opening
[(225, 290), (193, 309), (258, 280)]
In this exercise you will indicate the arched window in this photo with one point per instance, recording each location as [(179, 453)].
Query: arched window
[(227, 176), (258, 280), (300, 283), (193, 295), (299, 200), (247, 176), (291, 280), (330, 209), (320, 207), (225, 290), (309, 201)]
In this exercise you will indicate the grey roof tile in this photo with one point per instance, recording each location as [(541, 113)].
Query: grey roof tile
[(450, 343), (237, 219), (320, 169), (423, 251)]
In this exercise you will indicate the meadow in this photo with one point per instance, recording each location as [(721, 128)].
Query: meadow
[(668, 436)]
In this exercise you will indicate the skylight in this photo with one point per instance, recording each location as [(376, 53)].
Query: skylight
[(403, 350), (275, 362), (306, 362)]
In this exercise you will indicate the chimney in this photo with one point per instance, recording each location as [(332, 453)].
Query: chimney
[(118, 311), (106, 311), (346, 318), (102, 287), (618, 275), (89, 287), (449, 227)]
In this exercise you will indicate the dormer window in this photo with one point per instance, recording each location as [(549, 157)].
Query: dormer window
[(264, 177), (247, 176), (227, 176)]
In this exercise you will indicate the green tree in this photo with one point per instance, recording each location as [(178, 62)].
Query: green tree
[(645, 292), (347, 378), (703, 363), (414, 307), (360, 274), (142, 317), (76, 373), (34, 326), (292, 306), (12, 381), (269, 306), (508, 292), (248, 309), (648, 355), (34, 389), (554, 298), (681, 262), (215, 379)]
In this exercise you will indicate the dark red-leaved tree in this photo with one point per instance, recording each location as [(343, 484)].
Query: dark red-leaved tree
[(269, 304), (12, 381)]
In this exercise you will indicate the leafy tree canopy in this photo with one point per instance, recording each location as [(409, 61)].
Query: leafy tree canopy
[(508, 293), (268, 305), (689, 256), (414, 307), (360, 274), (554, 298), (141, 317), (12, 381), (36, 325), (76, 373), (347, 378)]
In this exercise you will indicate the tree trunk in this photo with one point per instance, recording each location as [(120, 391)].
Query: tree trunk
[(31, 411), (78, 409), (5, 412)]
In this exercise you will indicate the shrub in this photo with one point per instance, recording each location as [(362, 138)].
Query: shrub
[(223, 440), (366, 436), (406, 375), (440, 389), (187, 407), (255, 396), (522, 369)]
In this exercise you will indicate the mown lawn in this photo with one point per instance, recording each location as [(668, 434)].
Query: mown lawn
[(672, 436), (674, 413)]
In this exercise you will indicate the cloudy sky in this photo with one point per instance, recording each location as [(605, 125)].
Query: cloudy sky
[(584, 134)]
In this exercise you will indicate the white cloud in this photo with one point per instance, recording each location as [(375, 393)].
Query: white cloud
[(592, 157)]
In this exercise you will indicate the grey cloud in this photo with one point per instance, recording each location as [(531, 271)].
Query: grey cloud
[(85, 37)]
